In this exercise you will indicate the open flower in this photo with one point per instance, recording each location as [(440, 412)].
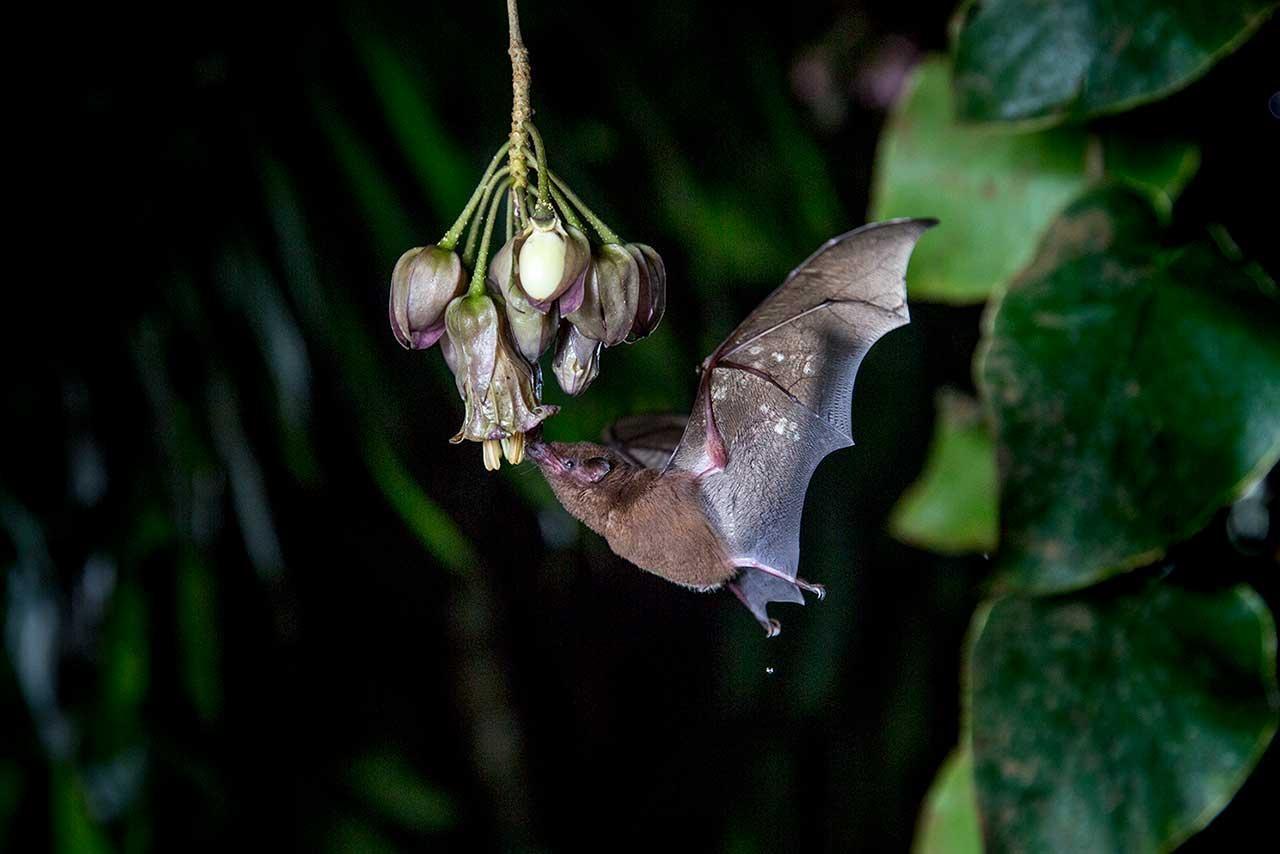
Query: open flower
[(550, 261), (425, 279), (499, 388), (577, 361), (610, 294)]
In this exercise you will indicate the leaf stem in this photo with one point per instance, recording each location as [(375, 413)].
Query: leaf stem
[(451, 236)]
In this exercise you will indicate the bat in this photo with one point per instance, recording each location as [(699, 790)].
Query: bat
[(714, 500)]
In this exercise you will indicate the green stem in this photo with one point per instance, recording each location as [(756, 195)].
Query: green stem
[(469, 254), (511, 207), (541, 152), (607, 235), (451, 236), (565, 208), (482, 264), (521, 110)]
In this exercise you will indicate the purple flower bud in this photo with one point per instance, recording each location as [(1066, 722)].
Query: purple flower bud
[(577, 361), (533, 330), (610, 294), (652, 302), (425, 279)]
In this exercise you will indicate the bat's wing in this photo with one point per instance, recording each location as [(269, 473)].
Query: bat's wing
[(646, 440), (775, 398)]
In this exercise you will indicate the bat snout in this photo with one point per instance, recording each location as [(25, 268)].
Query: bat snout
[(540, 452)]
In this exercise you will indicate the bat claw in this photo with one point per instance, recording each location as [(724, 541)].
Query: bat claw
[(772, 628)]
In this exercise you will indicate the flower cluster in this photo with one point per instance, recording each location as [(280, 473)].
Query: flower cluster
[(553, 282)]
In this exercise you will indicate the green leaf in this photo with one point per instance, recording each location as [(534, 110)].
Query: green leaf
[(198, 638), (388, 784), (1050, 62), (951, 508), (441, 168), (370, 185), (436, 530), (1117, 723), (1160, 167), (1135, 389), (996, 193), (949, 820), (74, 830)]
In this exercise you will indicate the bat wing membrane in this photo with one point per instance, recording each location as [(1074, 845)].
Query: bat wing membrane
[(776, 397), (646, 440)]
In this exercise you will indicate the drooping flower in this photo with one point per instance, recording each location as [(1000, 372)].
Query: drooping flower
[(577, 361), (500, 390), (425, 279), (533, 330), (610, 294), (652, 301)]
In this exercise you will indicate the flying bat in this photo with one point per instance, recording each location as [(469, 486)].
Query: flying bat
[(714, 500)]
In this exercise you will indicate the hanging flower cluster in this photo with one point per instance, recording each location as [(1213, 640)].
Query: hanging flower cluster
[(555, 281)]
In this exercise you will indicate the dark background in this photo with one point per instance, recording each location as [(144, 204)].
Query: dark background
[(260, 598)]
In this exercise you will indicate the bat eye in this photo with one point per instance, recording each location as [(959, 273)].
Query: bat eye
[(569, 464)]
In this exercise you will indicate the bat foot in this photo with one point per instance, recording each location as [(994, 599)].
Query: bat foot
[(772, 628), (809, 587)]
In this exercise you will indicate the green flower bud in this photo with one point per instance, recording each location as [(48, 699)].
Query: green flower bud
[(550, 260), (652, 301), (425, 279), (610, 294), (500, 389), (577, 361), (534, 331)]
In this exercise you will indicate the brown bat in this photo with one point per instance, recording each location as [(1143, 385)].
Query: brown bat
[(714, 500)]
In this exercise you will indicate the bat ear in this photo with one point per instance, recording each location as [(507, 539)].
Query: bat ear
[(596, 468)]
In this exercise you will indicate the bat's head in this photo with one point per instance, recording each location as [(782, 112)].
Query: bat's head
[(588, 479), (582, 464)]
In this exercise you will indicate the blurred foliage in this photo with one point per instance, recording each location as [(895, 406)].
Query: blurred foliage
[(952, 507), (949, 817), (251, 592), (1023, 59)]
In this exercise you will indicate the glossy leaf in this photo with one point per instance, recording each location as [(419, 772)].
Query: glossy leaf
[(1117, 723), (951, 508), (1050, 62), (1135, 389), (996, 193), (949, 821), (993, 193)]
